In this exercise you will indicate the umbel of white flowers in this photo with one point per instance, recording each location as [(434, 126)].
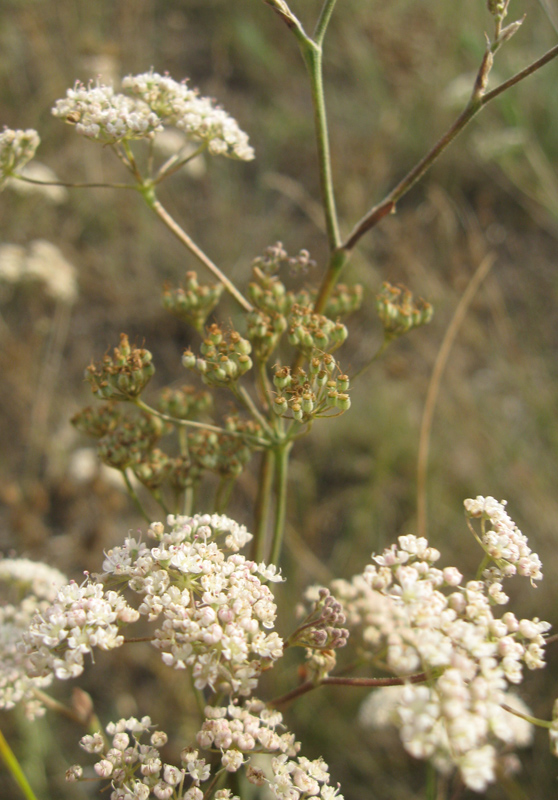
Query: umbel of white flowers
[(419, 618), (153, 103), (217, 612)]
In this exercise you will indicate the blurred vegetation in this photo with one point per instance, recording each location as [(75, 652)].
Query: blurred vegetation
[(396, 76)]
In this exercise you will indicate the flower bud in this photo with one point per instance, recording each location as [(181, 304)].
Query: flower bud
[(280, 406)]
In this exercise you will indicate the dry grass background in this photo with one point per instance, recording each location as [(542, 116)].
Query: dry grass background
[(394, 73)]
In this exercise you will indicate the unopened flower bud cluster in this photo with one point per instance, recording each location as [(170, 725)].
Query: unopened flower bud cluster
[(184, 403), (17, 148), (420, 619), (277, 309), (221, 453), (309, 331), (99, 112), (217, 613), (399, 311), (225, 357), (131, 441), (124, 375), (305, 395), (97, 420), (193, 302), (26, 587), (321, 628)]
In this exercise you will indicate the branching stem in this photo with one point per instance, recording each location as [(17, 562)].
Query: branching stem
[(387, 205), (189, 243)]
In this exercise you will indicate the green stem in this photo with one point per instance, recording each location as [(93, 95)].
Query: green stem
[(76, 185), (482, 566), (133, 495), (337, 262), (312, 54), (158, 497), (188, 423), (323, 21), (242, 395), (131, 162), (281, 453), (223, 495), (264, 385), (431, 782), (189, 500), (175, 163), (379, 352), (539, 723), (263, 504), (182, 236), (14, 768)]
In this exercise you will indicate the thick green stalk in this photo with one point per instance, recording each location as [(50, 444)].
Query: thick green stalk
[(14, 768), (263, 504), (281, 453), (337, 262)]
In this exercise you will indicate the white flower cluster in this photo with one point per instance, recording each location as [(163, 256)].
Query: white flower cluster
[(301, 779), (41, 262), (176, 104), (99, 112), (236, 730), (33, 587), (81, 618), (414, 615), (16, 149), (216, 609), (136, 770), (503, 542)]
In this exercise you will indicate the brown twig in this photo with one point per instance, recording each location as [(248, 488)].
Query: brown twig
[(477, 102), (373, 683)]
